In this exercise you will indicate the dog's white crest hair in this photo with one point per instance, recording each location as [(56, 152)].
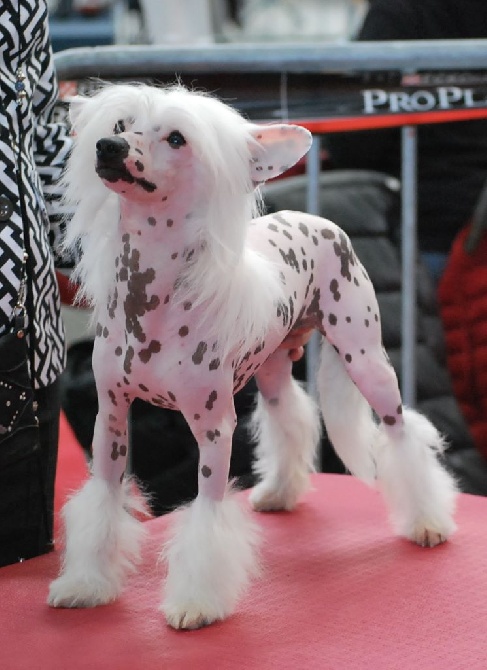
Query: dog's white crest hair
[(240, 288)]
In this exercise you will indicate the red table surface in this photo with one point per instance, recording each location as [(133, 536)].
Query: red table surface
[(338, 591)]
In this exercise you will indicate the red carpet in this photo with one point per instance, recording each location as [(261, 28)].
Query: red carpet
[(339, 592), (71, 467)]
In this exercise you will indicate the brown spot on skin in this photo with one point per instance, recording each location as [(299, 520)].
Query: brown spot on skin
[(183, 331), (287, 234), (197, 417), (143, 387), (105, 332), (399, 409), (366, 323), (153, 348), (112, 303), (348, 319), (328, 234), (290, 259), (280, 219), (171, 396), (174, 255), (127, 364), (166, 299), (273, 227), (137, 302), (362, 351), (98, 330), (345, 253), (304, 229), (210, 435), (206, 471), (112, 397), (314, 309), (151, 221), (334, 290), (187, 305), (389, 420), (274, 402), (272, 243), (332, 319), (118, 351), (197, 357), (348, 358), (214, 364), (114, 454), (169, 223), (122, 450), (211, 400)]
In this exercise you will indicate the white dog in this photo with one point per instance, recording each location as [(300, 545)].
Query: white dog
[(192, 297)]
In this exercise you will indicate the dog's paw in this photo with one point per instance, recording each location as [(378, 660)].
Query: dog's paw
[(80, 592), (266, 498), (428, 538), (188, 618)]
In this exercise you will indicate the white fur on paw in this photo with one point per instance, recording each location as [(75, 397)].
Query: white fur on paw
[(428, 538), (188, 618), (265, 498), (77, 592)]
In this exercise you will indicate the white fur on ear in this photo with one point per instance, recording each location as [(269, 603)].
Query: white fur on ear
[(76, 105), (277, 148)]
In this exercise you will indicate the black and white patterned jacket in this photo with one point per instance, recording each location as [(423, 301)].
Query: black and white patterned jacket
[(44, 146)]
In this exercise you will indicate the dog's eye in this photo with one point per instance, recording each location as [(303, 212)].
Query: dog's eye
[(175, 139), (119, 127)]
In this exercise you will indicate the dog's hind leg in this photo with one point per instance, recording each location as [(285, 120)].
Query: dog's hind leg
[(286, 425), (211, 554), (102, 535), (400, 450)]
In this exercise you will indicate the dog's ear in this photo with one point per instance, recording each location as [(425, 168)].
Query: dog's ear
[(276, 149)]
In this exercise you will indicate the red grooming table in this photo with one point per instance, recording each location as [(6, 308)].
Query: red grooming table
[(339, 591)]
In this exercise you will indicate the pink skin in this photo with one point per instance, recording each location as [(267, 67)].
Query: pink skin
[(149, 346)]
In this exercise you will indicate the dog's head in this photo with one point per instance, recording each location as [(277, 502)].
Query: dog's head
[(183, 153), (154, 144)]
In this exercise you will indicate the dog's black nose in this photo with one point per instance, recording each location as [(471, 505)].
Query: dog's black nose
[(112, 149)]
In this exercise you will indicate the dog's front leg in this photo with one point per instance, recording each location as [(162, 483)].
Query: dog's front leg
[(102, 534), (211, 554)]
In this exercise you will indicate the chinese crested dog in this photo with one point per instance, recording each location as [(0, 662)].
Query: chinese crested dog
[(193, 294)]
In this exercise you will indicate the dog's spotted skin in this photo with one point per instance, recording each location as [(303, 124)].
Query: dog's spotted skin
[(158, 341)]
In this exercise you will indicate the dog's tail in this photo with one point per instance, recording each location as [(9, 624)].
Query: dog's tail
[(347, 416)]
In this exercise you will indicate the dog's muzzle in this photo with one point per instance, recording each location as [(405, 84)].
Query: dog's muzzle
[(111, 153)]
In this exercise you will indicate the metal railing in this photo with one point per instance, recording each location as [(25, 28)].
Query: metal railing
[(236, 70)]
